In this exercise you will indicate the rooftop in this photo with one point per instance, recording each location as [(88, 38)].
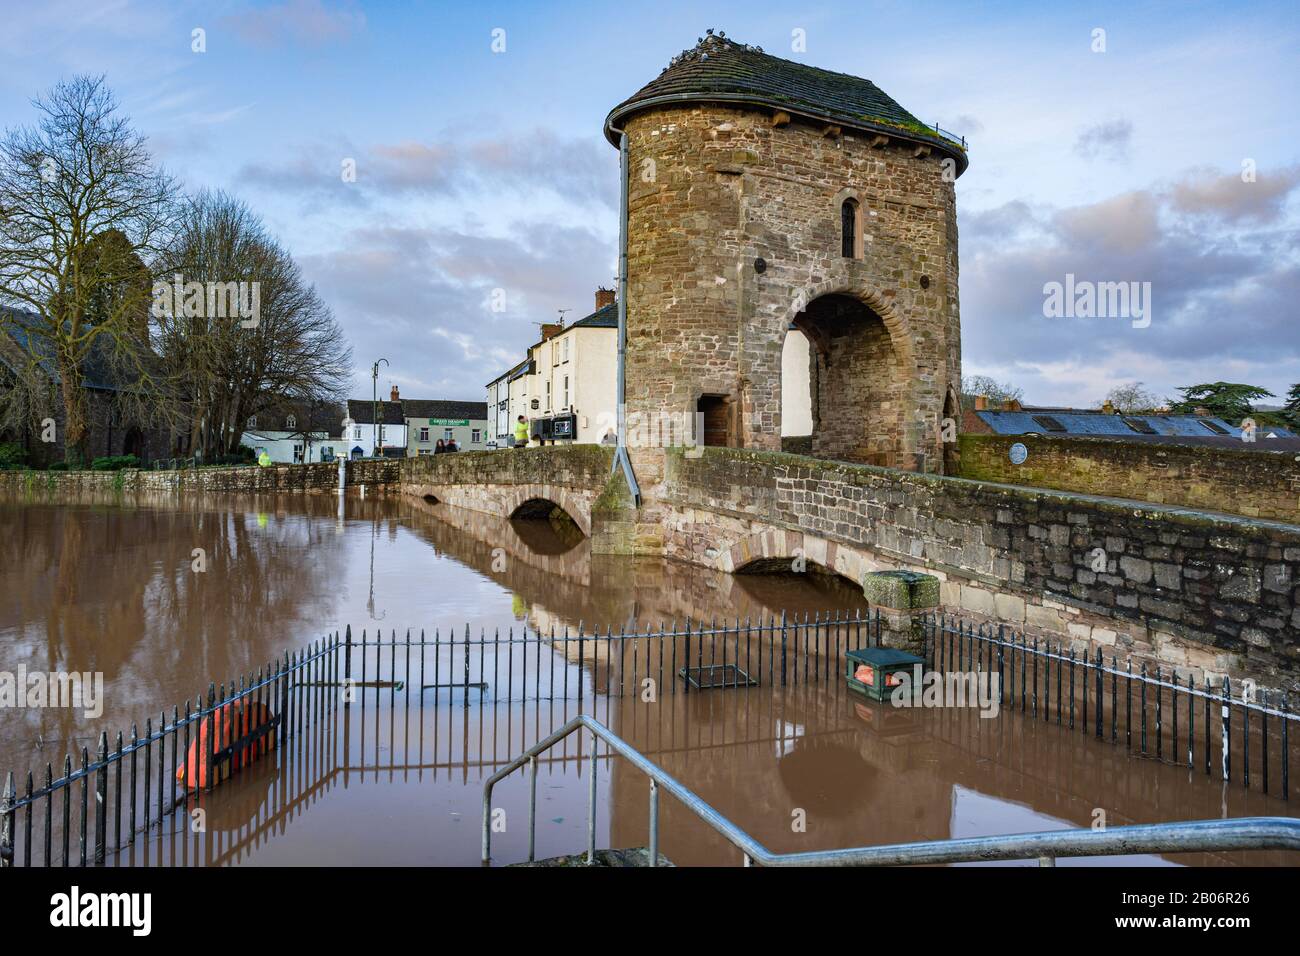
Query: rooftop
[(362, 412), (718, 69), (438, 408), (1185, 429)]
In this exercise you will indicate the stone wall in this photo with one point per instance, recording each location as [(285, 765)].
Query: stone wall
[(500, 482), (317, 477), (714, 188), (1209, 593), (1255, 483), (1213, 592)]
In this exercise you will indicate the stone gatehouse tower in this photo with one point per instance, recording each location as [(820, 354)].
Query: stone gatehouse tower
[(766, 195)]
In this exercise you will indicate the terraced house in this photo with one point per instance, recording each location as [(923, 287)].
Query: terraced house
[(429, 421)]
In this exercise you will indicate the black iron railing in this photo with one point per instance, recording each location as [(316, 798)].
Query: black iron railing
[(101, 804), (1241, 733)]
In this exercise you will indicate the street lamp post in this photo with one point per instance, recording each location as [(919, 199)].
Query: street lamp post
[(377, 430)]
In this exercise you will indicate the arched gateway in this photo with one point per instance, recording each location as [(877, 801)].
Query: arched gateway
[(766, 195)]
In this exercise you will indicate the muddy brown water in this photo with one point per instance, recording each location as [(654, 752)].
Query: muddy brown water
[(109, 586)]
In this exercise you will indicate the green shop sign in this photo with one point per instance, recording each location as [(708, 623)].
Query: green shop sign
[(448, 421)]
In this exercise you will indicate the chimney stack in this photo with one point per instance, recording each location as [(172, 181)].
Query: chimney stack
[(550, 330), (1108, 407), (981, 403), (394, 396), (605, 297)]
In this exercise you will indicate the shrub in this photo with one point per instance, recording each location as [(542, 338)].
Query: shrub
[(115, 463), (59, 466), (12, 455)]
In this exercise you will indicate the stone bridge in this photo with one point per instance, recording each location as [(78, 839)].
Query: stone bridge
[(1208, 593)]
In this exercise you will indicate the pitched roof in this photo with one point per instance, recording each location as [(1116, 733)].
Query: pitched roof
[(307, 418), (27, 342), (606, 317), (437, 408), (1205, 430), (362, 412), (511, 374), (717, 69)]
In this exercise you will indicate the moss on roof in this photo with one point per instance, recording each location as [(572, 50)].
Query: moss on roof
[(717, 67)]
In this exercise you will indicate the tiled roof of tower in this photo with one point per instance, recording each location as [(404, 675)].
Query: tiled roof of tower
[(722, 70)]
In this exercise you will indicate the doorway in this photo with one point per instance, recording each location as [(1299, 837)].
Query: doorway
[(715, 411)]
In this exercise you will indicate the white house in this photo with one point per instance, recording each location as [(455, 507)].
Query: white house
[(292, 435), (365, 435)]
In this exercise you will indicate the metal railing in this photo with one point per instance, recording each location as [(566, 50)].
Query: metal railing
[(1241, 737), (1246, 833), (105, 799)]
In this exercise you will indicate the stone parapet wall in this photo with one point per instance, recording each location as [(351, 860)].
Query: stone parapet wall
[(1251, 482), (1216, 592), (577, 466), (316, 477)]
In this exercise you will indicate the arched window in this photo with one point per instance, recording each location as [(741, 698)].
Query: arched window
[(291, 422), (849, 229)]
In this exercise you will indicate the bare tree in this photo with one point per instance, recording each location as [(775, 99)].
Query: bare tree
[(81, 207), (232, 367), (1132, 399), (974, 386)]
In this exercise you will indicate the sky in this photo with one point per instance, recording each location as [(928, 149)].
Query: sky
[(1171, 156)]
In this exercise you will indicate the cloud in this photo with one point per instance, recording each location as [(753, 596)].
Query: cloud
[(1224, 271), (308, 22), (423, 297), (582, 170), (1109, 140), (1233, 198)]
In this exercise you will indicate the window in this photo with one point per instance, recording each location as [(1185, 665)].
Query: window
[(849, 229), (356, 432), (424, 434), (1140, 426), (297, 453), (1213, 426), (476, 436), (566, 348), (447, 434), (548, 396), (291, 423), (565, 403), (252, 421), (1049, 423)]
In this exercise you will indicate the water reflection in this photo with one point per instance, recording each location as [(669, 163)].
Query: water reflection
[(110, 586)]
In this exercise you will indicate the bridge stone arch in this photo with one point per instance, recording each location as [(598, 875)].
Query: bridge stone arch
[(763, 543), (862, 372), (507, 500)]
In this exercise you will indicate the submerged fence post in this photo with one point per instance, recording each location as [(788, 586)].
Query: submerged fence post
[(7, 822), (101, 797), (347, 664)]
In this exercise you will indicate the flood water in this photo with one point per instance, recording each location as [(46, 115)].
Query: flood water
[(111, 587)]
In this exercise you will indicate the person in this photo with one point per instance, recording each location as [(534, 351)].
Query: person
[(439, 448), (521, 432), (264, 459), (451, 445)]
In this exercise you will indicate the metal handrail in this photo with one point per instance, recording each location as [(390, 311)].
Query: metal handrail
[(1245, 833)]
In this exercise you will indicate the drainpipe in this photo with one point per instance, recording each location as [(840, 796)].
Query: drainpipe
[(621, 458)]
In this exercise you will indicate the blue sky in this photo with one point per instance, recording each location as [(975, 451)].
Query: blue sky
[(479, 170)]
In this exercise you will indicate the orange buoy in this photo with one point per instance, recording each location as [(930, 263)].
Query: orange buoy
[(235, 722)]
